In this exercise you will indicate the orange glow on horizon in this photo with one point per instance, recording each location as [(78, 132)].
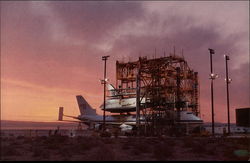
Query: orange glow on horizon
[(28, 102)]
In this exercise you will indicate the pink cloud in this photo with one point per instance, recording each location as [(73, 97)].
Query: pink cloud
[(61, 48)]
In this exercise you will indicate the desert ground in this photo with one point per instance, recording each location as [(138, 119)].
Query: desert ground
[(95, 148)]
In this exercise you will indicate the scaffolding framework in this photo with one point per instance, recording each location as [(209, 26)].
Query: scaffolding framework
[(166, 83)]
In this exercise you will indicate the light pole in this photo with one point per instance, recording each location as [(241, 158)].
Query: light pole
[(104, 58), (212, 77), (227, 83)]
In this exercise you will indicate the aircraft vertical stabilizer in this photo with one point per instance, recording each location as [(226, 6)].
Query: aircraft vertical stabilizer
[(60, 117), (84, 107), (111, 89)]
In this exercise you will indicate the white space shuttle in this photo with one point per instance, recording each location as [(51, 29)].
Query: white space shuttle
[(117, 103)]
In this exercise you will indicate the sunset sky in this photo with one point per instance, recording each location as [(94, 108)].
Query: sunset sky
[(51, 50)]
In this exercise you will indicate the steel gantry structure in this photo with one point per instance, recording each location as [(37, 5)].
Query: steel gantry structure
[(167, 84)]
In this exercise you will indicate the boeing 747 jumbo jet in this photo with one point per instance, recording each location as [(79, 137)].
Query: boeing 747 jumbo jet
[(89, 117)]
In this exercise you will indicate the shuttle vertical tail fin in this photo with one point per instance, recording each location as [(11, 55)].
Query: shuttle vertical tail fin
[(111, 89), (84, 107)]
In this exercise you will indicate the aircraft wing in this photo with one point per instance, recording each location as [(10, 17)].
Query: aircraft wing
[(120, 123), (114, 123), (72, 121), (71, 116)]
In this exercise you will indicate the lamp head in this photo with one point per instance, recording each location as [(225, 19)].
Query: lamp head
[(213, 76), (229, 80), (211, 51), (105, 57)]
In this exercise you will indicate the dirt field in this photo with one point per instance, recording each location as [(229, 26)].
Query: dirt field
[(132, 149)]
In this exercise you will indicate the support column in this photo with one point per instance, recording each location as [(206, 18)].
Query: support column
[(138, 101)]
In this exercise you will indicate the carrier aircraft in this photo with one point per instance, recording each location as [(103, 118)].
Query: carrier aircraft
[(89, 117), (126, 122)]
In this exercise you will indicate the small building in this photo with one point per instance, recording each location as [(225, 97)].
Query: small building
[(220, 128), (243, 117)]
